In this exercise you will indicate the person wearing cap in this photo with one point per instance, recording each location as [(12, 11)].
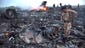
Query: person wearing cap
[(67, 18)]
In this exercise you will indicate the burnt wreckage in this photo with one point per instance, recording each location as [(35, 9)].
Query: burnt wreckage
[(41, 29)]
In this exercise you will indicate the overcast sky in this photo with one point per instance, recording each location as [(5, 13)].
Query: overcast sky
[(35, 3)]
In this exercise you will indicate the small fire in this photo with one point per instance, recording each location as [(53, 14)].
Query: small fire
[(6, 34), (43, 8)]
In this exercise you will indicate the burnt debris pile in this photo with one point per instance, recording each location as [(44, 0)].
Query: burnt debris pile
[(39, 29)]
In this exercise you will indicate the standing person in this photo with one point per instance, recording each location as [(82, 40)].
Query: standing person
[(67, 18)]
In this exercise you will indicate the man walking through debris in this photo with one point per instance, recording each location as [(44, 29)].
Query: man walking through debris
[(67, 18)]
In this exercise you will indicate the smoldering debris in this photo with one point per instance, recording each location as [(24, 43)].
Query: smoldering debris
[(32, 29)]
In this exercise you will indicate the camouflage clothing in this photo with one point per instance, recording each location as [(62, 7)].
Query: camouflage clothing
[(67, 19)]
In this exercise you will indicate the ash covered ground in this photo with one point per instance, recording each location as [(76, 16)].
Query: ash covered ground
[(34, 29)]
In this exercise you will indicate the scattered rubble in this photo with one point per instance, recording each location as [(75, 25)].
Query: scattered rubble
[(35, 30)]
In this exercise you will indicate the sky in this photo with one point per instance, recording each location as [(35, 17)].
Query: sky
[(35, 3)]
